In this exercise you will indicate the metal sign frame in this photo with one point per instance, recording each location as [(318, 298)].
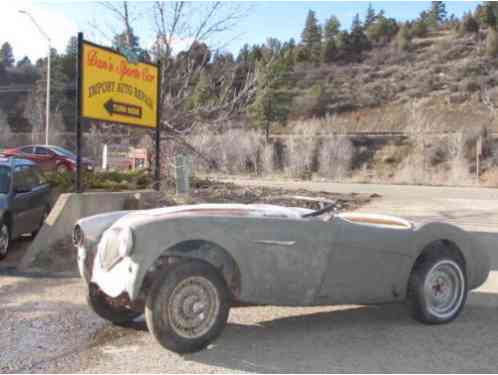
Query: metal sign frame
[(80, 118)]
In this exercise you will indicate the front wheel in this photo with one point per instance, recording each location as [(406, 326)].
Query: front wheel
[(187, 308), (106, 309), (4, 240), (437, 289)]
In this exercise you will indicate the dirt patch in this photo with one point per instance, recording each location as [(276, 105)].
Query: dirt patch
[(211, 191)]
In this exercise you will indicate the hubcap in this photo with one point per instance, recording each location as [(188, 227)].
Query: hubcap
[(444, 289), (4, 240), (193, 307)]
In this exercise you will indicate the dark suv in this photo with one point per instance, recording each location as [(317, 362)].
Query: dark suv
[(24, 200)]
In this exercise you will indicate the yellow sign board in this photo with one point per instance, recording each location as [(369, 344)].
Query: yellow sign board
[(117, 91)]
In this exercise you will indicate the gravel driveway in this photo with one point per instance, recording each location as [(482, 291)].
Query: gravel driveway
[(46, 327)]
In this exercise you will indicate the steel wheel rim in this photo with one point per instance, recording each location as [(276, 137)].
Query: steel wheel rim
[(193, 307), (4, 240), (444, 289)]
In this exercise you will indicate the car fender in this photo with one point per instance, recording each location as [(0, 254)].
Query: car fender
[(475, 257)]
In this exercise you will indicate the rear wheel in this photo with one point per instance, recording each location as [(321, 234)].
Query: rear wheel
[(4, 239), (437, 288), (108, 309), (188, 307)]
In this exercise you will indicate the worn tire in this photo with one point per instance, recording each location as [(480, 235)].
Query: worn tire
[(423, 287), (169, 299), (4, 227), (118, 315)]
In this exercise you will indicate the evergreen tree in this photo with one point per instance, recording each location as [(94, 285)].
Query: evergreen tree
[(382, 30), (329, 52), (272, 101), (403, 38), (470, 24), (7, 55), (24, 62), (437, 14), (370, 17), (243, 56), (356, 24), (488, 14), (202, 91), (332, 28), (312, 37), (358, 41), (129, 41)]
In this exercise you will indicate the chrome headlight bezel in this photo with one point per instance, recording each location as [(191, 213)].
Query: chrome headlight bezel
[(126, 240), (114, 246)]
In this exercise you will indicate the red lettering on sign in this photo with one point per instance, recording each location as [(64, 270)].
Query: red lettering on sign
[(123, 69), (126, 71)]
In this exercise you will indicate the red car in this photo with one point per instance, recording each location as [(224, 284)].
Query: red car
[(50, 157)]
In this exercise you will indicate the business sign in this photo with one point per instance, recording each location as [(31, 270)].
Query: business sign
[(115, 90)]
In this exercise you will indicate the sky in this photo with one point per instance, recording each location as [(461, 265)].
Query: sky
[(283, 20)]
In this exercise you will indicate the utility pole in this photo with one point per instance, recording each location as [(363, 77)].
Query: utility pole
[(45, 35)]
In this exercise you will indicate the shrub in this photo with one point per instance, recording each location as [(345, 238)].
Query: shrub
[(470, 24), (335, 157), (403, 39), (420, 29)]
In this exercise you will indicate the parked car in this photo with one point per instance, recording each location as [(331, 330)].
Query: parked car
[(24, 200), (185, 266), (50, 157)]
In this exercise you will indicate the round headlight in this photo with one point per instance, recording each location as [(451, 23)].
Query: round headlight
[(125, 238)]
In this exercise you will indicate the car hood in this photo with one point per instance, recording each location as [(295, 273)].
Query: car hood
[(224, 210)]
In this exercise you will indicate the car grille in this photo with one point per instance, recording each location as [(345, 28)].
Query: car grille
[(109, 250)]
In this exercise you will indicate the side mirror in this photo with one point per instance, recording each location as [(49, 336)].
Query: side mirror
[(22, 189)]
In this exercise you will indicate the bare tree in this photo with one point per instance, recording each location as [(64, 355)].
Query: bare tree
[(196, 26)]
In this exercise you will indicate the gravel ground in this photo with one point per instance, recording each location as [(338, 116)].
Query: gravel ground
[(46, 327)]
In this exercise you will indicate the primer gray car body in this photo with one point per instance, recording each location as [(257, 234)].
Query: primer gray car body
[(271, 254)]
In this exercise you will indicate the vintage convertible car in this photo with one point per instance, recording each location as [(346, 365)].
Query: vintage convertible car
[(185, 266)]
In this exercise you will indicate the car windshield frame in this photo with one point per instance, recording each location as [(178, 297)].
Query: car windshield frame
[(5, 187), (61, 151)]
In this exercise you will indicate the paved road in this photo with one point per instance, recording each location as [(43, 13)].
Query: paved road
[(49, 328)]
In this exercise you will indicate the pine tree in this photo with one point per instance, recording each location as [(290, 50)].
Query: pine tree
[(382, 30), (488, 14), (470, 24), (7, 55), (202, 91), (403, 38), (332, 28), (437, 14), (370, 17), (312, 37), (358, 41), (329, 52)]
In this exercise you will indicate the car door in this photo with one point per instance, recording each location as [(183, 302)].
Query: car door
[(365, 264), (22, 210), (45, 158), (285, 259), (40, 195)]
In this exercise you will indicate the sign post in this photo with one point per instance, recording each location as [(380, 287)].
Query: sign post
[(111, 89)]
